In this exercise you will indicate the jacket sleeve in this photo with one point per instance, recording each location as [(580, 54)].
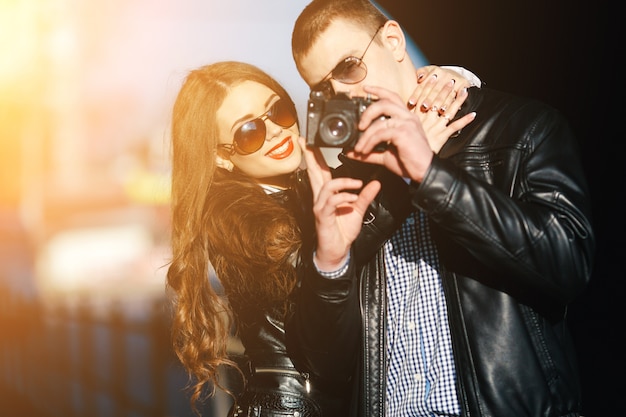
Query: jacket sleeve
[(523, 218), (324, 324)]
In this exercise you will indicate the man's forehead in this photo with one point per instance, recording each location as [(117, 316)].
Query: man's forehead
[(338, 41)]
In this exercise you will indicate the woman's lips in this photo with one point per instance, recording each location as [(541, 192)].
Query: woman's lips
[(282, 150)]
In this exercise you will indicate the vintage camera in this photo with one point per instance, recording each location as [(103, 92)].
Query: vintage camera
[(332, 119)]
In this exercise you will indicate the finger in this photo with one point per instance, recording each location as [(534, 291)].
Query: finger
[(377, 158), (336, 186), (461, 83), (310, 158), (439, 97), (428, 88), (453, 107), (334, 202), (389, 104), (459, 124), (367, 195), (461, 97), (445, 98), (423, 72), (344, 203), (377, 137), (313, 168), (317, 169)]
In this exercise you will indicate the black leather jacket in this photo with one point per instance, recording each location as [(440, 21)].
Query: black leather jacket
[(509, 212), (273, 386)]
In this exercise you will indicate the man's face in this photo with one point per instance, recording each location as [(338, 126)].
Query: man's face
[(343, 39)]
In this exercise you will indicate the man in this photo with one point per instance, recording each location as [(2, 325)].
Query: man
[(462, 312)]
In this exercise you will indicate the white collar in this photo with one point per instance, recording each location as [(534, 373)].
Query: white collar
[(270, 189)]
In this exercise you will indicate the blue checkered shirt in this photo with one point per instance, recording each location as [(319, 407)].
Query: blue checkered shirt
[(421, 373)]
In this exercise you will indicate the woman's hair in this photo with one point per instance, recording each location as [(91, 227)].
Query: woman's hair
[(319, 14), (223, 220)]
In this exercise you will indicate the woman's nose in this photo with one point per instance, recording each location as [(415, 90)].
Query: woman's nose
[(273, 129)]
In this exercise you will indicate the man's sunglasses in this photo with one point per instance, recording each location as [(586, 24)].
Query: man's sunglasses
[(349, 71), (250, 137)]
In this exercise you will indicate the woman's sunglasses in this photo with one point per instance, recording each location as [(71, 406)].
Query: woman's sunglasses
[(350, 70), (250, 137)]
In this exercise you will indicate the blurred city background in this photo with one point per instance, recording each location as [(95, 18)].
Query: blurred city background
[(86, 88)]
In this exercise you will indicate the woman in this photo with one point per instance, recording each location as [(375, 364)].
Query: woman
[(240, 206)]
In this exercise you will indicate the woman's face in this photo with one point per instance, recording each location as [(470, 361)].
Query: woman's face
[(280, 152)]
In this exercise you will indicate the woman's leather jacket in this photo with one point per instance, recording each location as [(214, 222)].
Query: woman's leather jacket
[(273, 386), (509, 213)]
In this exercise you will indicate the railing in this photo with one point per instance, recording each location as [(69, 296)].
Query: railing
[(79, 361)]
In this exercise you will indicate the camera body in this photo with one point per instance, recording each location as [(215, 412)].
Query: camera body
[(332, 120)]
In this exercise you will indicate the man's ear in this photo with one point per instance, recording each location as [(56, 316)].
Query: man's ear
[(394, 40), (226, 164)]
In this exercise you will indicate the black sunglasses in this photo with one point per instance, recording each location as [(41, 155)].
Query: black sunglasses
[(351, 70), (250, 136)]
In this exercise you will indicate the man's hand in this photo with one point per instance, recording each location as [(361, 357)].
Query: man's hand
[(411, 141), (338, 211)]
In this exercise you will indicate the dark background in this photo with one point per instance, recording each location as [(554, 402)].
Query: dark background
[(566, 54)]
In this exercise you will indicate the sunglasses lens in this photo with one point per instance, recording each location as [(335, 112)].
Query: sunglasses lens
[(282, 114), (350, 71), (249, 138)]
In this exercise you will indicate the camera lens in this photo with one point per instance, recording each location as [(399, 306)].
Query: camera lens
[(335, 130)]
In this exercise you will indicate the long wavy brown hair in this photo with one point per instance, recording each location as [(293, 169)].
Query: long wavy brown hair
[(223, 220)]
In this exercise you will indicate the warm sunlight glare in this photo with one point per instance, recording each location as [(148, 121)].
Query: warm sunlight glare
[(18, 42)]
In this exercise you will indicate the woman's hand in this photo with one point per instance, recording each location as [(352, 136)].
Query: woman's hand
[(437, 88), (438, 126), (338, 211)]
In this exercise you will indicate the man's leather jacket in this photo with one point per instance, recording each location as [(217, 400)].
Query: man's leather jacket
[(509, 213)]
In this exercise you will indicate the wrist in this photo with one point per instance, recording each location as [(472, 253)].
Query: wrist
[(327, 263), (420, 171)]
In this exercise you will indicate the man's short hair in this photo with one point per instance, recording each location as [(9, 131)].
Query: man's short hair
[(318, 15)]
